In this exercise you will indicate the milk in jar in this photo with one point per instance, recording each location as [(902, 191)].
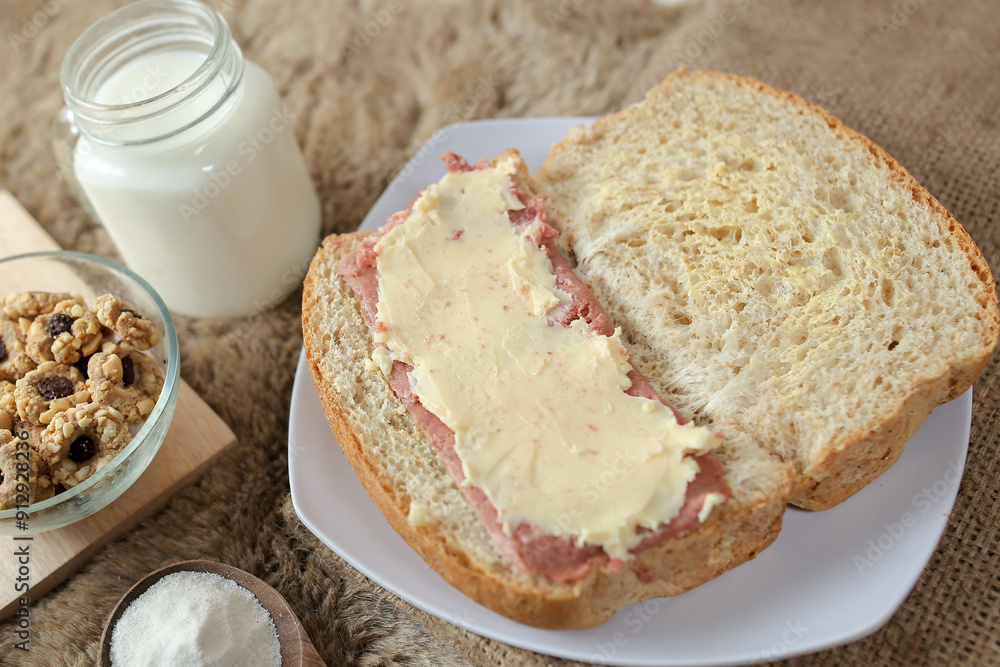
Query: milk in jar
[(188, 158)]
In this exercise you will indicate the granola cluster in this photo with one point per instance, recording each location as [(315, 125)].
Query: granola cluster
[(75, 384)]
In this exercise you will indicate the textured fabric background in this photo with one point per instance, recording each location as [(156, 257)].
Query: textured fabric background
[(920, 77)]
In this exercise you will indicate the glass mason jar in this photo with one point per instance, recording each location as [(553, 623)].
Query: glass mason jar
[(182, 150)]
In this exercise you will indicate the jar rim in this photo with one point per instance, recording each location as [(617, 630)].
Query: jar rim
[(88, 64)]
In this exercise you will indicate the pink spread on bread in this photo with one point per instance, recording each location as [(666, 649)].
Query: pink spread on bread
[(547, 555)]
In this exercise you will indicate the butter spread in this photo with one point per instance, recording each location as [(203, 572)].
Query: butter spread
[(418, 515), (542, 423), (383, 360), (711, 501)]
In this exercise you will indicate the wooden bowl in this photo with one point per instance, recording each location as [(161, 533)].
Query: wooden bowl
[(296, 648)]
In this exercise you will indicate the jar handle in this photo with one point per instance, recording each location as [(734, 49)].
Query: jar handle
[(65, 135)]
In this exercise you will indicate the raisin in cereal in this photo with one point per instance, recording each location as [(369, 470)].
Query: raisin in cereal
[(66, 334), (82, 440), (48, 390)]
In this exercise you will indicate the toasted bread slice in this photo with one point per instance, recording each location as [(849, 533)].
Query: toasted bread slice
[(401, 472), (790, 281)]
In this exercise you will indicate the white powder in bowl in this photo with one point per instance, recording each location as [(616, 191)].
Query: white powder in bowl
[(192, 619)]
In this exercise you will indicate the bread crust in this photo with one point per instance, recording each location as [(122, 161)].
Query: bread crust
[(849, 465), (846, 469), (736, 532)]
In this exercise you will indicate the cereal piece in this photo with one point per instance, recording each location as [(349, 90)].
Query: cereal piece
[(126, 379), (82, 440), (8, 406), (48, 390), (130, 326), (14, 359), (65, 335), (33, 304), (21, 465), (68, 473)]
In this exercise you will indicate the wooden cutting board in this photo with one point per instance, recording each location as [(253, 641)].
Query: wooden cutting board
[(197, 436)]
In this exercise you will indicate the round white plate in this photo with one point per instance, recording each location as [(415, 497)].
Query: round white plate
[(830, 578)]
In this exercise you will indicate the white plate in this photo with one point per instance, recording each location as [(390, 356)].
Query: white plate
[(830, 577)]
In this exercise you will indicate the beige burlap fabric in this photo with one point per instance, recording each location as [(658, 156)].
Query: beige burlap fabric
[(920, 77)]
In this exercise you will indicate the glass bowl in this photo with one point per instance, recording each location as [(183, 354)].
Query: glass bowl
[(91, 276)]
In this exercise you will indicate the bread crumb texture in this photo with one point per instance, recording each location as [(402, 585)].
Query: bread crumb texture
[(777, 273)]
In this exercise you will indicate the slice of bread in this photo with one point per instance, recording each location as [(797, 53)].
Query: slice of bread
[(408, 482), (781, 276)]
